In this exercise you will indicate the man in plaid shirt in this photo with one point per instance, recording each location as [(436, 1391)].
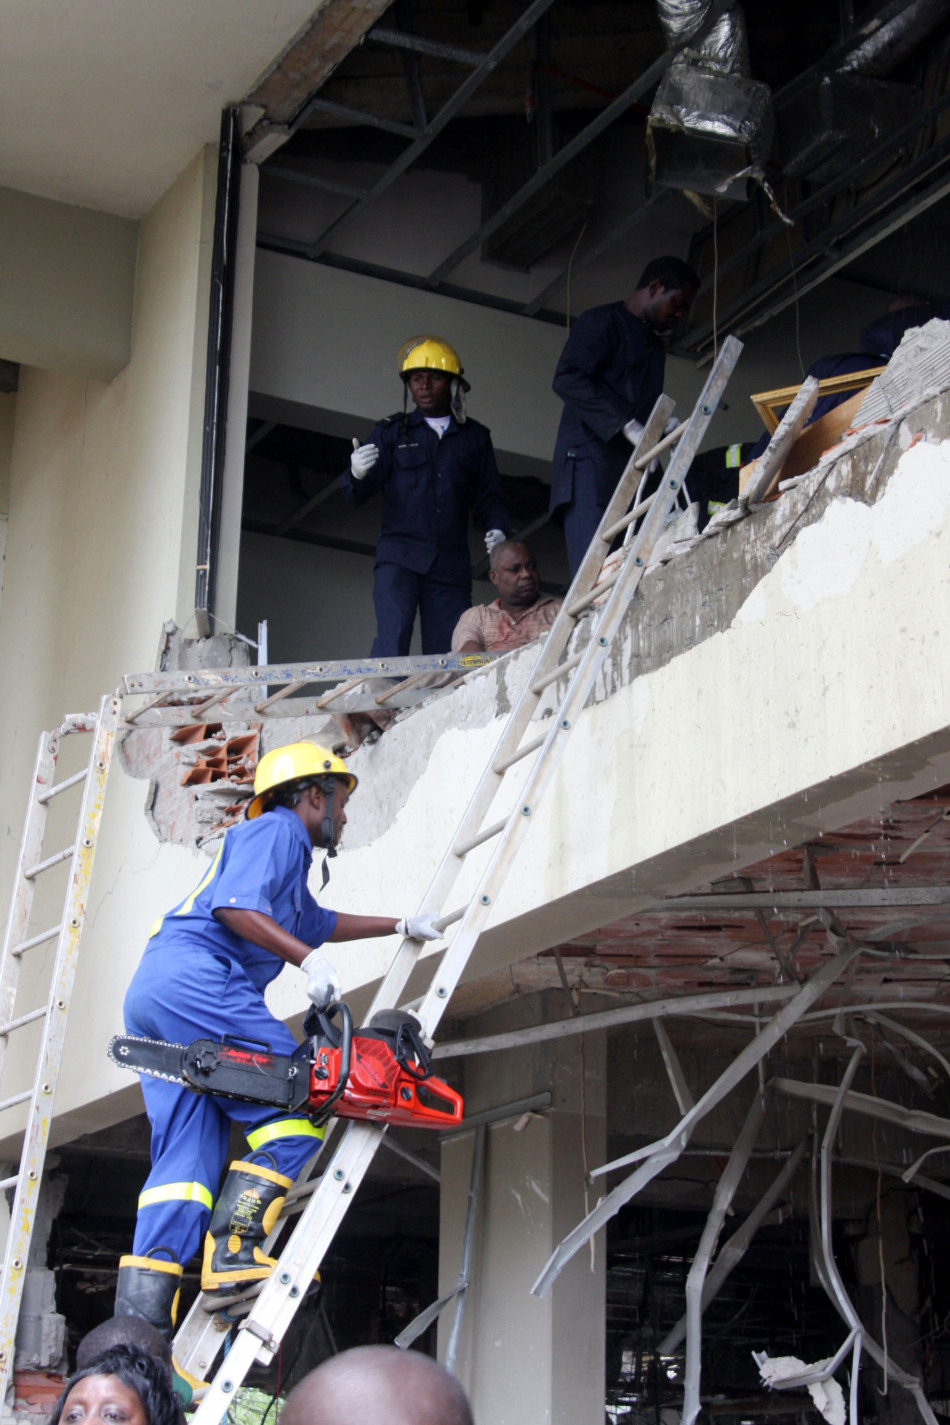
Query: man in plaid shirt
[(519, 614)]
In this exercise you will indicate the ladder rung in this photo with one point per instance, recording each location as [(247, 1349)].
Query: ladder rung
[(611, 532), (9, 1182), (555, 673), (24, 1019), (72, 781), (648, 458), (462, 848), (587, 599), (17, 1098), (524, 751), (444, 921), (50, 861), (35, 940)]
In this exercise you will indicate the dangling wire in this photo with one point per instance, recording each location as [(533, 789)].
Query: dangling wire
[(570, 265)]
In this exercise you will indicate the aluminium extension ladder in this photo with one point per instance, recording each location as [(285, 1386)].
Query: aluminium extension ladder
[(275, 1303), (54, 1011)]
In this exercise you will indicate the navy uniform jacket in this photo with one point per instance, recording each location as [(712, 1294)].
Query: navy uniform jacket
[(429, 486), (611, 369)]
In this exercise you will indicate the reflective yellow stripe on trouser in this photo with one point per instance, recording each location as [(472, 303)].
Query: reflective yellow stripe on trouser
[(283, 1128), (176, 1192)]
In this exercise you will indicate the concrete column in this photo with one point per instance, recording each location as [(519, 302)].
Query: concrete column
[(519, 1357)]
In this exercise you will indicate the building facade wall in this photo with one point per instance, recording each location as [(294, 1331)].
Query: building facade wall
[(100, 553)]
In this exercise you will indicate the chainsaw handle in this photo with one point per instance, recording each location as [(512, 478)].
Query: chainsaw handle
[(341, 1038)]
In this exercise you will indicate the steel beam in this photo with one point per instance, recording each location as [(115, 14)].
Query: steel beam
[(857, 899), (399, 39), (459, 99)]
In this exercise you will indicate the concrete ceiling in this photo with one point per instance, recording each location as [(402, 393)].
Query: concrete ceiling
[(104, 102)]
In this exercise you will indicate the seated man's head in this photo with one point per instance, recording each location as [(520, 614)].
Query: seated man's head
[(514, 574), (378, 1385), (664, 293)]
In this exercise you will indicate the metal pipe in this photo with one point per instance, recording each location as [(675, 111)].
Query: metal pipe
[(217, 367), (671, 1005), (803, 900), (668, 1149), (722, 1199), (838, 1293), (883, 50), (734, 1250), (468, 1242)]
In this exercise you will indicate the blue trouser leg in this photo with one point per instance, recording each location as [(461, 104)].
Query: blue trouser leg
[(396, 593), (440, 608), (181, 993)]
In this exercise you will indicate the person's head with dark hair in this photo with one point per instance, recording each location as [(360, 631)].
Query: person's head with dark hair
[(664, 293), (671, 271), (124, 1385), (378, 1385), (124, 1331)]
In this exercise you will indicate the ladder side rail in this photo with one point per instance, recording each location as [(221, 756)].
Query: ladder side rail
[(21, 898), (40, 1115), (263, 1328), (603, 630), (408, 953)]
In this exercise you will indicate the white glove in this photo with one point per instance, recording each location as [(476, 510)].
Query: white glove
[(671, 425), (418, 927), (493, 537), (323, 985), (362, 460), (633, 431)]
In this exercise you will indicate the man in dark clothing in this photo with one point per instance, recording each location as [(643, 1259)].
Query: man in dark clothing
[(609, 377), (433, 466)]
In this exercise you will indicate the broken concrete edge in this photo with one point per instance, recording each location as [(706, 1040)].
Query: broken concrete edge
[(680, 603)]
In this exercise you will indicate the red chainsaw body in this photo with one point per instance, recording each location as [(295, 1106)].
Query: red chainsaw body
[(380, 1088)]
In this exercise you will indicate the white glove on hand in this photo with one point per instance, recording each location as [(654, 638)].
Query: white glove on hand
[(323, 985), (672, 424), (418, 927), (633, 431), (362, 460), (493, 537)]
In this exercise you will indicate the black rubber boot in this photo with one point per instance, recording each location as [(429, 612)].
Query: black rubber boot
[(246, 1210), (149, 1287)]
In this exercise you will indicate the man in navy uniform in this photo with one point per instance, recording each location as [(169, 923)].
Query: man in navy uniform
[(609, 377), (433, 465)]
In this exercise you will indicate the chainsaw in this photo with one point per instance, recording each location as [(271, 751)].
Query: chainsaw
[(381, 1072)]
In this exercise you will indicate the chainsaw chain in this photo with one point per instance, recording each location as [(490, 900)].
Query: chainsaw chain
[(149, 1073)]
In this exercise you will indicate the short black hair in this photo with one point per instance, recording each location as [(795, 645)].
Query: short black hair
[(123, 1331), (138, 1371), (673, 272)]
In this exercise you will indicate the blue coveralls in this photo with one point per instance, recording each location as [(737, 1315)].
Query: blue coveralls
[(610, 371), (428, 485), (197, 980)]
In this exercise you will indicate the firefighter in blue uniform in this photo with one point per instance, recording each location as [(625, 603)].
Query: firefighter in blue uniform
[(609, 377), (203, 975), (433, 466)]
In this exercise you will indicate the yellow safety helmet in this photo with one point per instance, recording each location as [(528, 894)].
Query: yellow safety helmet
[(430, 353), (285, 765)]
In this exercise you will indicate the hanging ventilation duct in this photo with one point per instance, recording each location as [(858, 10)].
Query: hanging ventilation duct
[(710, 127), (844, 114)]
